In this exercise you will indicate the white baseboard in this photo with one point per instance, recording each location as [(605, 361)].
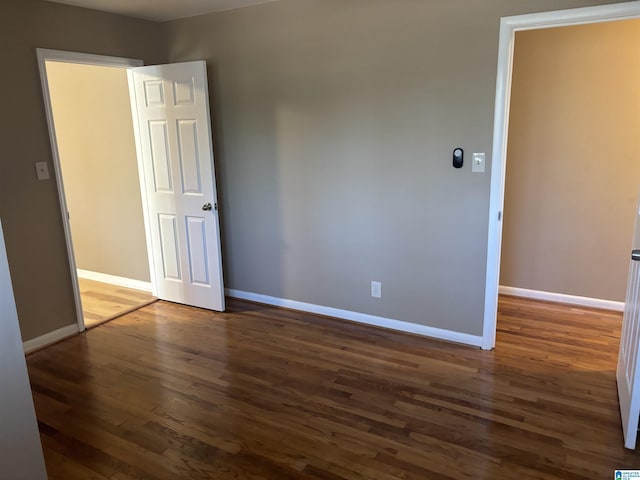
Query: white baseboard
[(562, 298), (364, 318), (115, 280), (49, 338)]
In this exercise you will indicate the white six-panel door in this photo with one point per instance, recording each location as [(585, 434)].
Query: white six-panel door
[(628, 374), (174, 133)]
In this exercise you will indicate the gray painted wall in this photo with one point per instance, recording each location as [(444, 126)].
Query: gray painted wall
[(20, 450), (334, 125)]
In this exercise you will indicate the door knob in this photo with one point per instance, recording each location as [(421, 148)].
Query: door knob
[(207, 207)]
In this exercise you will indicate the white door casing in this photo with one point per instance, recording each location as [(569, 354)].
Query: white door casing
[(175, 144), (628, 374)]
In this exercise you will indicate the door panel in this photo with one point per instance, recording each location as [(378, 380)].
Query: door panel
[(189, 161), (197, 246), (170, 248), (153, 93), (160, 156), (177, 156), (184, 92)]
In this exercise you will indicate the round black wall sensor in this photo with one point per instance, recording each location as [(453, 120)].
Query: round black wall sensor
[(458, 157)]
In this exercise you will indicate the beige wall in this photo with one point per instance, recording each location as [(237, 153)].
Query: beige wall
[(334, 125), (92, 115), (29, 209), (573, 168)]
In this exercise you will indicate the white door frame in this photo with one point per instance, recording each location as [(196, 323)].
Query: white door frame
[(45, 55), (508, 28)]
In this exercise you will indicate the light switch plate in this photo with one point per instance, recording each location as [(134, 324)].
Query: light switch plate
[(376, 289), (42, 170), (478, 162)]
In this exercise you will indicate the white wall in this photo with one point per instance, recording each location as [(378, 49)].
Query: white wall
[(20, 450)]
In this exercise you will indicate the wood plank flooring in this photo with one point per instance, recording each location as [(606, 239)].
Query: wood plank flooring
[(102, 302), (170, 392)]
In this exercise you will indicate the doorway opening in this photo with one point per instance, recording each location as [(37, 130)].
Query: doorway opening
[(628, 395), (572, 175), (508, 29), (95, 158)]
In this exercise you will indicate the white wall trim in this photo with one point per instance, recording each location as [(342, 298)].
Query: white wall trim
[(562, 298), (86, 58), (508, 28), (49, 338), (115, 280), (364, 318)]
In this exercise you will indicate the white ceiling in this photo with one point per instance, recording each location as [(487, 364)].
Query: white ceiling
[(161, 10)]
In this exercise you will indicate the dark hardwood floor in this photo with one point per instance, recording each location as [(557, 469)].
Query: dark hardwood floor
[(170, 392)]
